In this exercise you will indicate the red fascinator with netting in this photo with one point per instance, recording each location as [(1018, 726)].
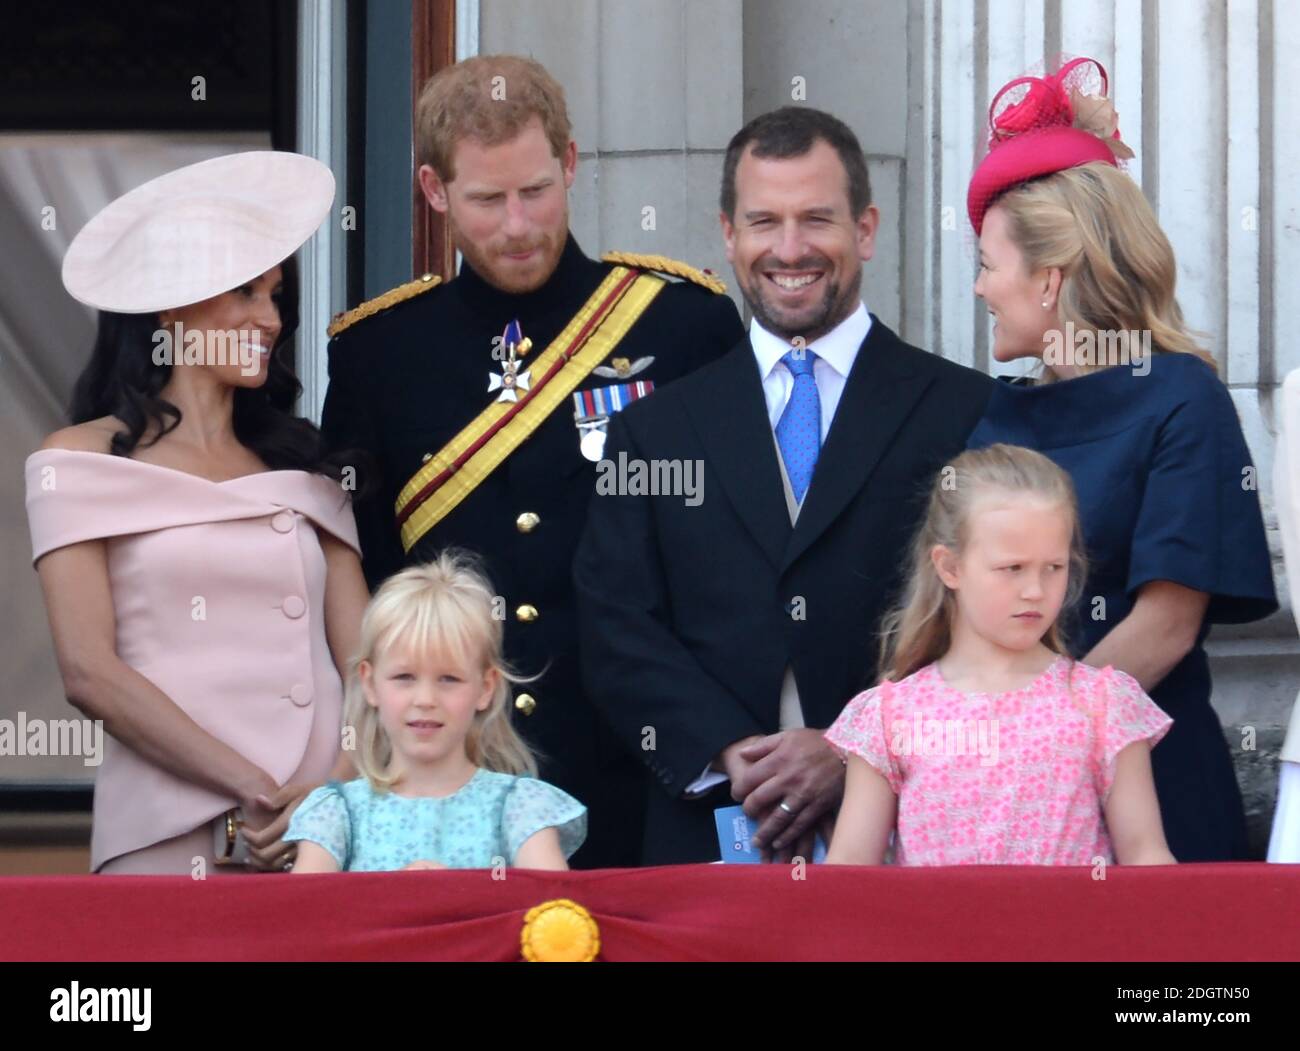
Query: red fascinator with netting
[(1041, 125)]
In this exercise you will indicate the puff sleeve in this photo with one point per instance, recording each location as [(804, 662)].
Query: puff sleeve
[(323, 818), (1127, 714), (860, 730), (532, 805)]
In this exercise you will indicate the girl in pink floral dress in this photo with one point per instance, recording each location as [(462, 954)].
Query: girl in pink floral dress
[(985, 743)]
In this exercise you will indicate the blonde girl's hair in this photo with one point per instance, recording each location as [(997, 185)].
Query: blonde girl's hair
[(918, 631), (1117, 266), (440, 610)]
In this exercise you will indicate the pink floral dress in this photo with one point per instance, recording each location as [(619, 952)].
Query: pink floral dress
[(1015, 778)]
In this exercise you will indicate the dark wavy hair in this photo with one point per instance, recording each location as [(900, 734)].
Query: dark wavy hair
[(792, 131), (122, 380)]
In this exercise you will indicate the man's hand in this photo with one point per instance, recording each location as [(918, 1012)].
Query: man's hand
[(796, 768)]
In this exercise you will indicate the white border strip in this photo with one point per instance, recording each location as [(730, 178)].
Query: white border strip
[(467, 35), (322, 133)]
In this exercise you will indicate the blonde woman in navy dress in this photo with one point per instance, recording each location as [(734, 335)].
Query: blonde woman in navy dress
[(1071, 254)]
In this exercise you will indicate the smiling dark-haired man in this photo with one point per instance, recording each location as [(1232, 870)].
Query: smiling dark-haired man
[(736, 630)]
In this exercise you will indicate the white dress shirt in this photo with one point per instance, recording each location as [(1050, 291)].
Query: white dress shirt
[(836, 351)]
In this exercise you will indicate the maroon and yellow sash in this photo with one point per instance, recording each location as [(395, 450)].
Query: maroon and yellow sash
[(465, 461)]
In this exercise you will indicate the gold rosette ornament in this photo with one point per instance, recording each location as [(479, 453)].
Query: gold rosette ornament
[(559, 931)]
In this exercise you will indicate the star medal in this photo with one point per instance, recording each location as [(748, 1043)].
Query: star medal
[(511, 381)]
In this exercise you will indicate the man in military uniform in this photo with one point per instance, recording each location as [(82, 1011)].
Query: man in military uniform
[(482, 402)]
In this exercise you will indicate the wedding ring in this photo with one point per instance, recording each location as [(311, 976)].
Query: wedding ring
[(784, 806)]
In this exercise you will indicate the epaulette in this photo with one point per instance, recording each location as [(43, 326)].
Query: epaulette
[(393, 296), (663, 265)]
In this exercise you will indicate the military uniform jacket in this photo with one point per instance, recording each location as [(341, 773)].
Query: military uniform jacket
[(406, 380)]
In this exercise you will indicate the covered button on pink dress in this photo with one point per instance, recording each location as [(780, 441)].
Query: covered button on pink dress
[(218, 590)]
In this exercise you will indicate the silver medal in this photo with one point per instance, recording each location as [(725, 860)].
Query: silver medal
[(592, 444)]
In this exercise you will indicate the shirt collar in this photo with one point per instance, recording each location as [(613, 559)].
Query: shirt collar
[(838, 348), (572, 281)]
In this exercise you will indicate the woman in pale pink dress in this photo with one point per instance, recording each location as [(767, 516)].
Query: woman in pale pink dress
[(985, 743), (197, 554)]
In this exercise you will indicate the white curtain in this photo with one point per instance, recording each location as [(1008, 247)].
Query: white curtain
[(50, 185)]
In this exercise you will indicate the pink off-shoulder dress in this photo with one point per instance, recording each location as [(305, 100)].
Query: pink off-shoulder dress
[(1016, 778), (218, 591)]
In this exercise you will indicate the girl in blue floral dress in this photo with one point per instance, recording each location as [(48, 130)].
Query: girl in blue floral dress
[(446, 782)]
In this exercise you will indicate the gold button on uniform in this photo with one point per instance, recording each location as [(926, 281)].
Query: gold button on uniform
[(526, 613), (525, 703), (527, 522)]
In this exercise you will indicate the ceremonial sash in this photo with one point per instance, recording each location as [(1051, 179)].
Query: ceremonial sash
[(457, 468)]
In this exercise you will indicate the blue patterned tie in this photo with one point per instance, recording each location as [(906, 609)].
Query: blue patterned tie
[(799, 431)]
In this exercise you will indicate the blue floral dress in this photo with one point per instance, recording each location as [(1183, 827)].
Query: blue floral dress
[(482, 824)]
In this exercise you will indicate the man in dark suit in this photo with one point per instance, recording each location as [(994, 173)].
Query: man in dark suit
[(484, 435), (723, 630)]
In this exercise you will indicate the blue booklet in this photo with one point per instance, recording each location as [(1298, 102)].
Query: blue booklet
[(735, 832)]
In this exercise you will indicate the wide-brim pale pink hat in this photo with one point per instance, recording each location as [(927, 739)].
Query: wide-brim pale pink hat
[(198, 231)]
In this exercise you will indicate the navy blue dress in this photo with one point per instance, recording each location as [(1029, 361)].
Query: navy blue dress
[(1158, 461)]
